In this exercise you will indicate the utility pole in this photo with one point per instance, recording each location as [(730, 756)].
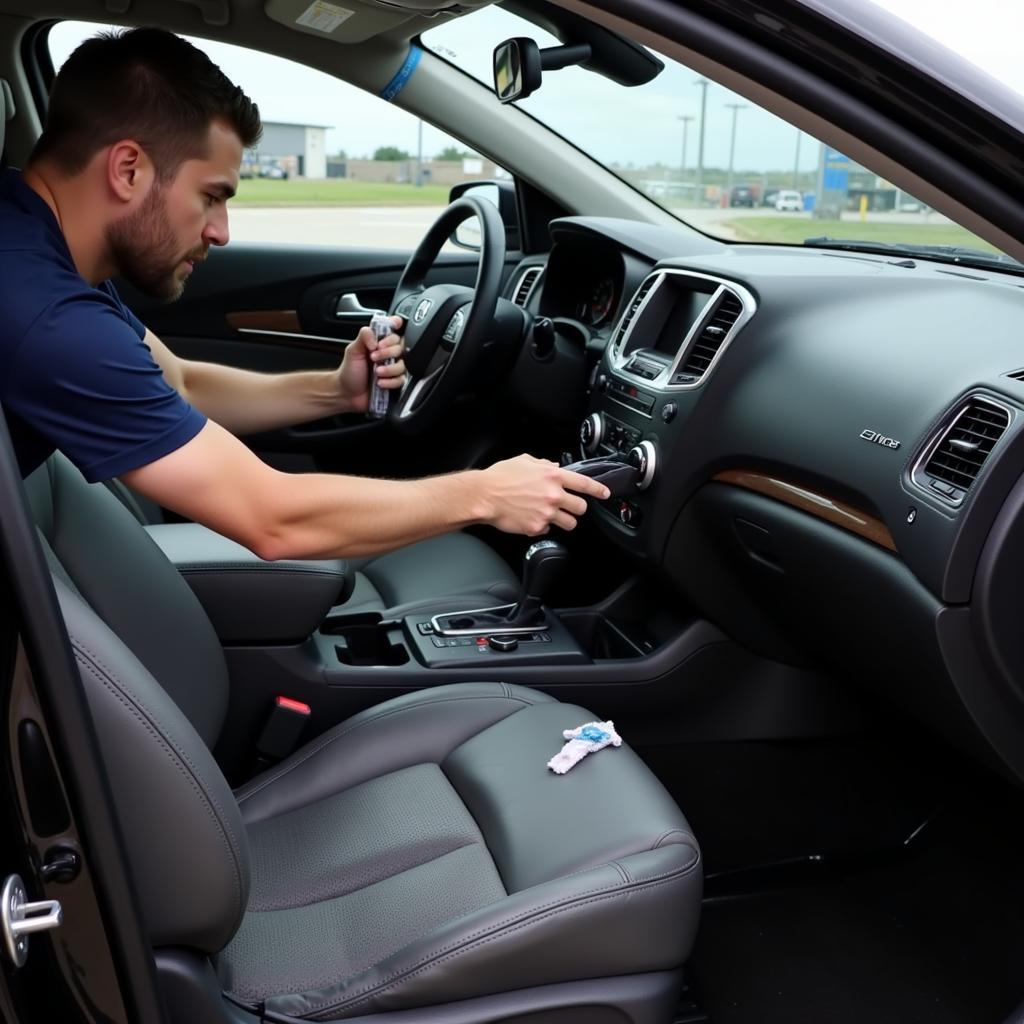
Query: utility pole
[(796, 161), (686, 119), (419, 153), (703, 83), (735, 108)]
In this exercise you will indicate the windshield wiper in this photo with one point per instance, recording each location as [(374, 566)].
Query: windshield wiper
[(956, 254)]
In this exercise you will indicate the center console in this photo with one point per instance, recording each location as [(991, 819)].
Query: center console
[(669, 340), (523, 633)]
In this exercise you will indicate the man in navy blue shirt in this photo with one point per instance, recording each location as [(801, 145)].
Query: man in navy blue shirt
[(140, 153)]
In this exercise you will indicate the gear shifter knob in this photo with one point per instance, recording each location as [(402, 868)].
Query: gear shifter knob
[(543, 562)]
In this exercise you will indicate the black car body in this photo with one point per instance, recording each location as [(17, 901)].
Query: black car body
[(803, 615)]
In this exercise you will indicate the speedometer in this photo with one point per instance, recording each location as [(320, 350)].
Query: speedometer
[(599, 302)]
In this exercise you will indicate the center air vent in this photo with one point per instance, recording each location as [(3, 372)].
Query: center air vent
[(627, 317), (961, 451), (525, 286), (716, 329)]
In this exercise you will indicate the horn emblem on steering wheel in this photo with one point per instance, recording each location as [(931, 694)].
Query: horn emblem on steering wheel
[(421, 311)]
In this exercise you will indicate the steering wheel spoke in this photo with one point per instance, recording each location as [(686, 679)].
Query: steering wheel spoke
[(416, 392), (446, 325)]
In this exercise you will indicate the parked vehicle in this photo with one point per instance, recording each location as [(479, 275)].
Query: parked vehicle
[(741, 195), (789, 201)]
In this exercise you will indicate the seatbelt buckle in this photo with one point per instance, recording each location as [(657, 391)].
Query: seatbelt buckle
[(284, 727)]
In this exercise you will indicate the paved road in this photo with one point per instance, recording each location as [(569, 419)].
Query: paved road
[(401, 227)]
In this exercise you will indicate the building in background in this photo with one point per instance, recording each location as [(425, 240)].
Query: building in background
[(435, 172), (295, 150)]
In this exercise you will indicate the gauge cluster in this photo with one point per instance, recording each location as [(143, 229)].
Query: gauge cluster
[(585, 282), (598, 303)]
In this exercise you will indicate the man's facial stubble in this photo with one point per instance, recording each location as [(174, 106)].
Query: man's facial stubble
[(146, 252)]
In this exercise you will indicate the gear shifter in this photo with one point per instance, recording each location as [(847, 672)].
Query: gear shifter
[(542, 564)]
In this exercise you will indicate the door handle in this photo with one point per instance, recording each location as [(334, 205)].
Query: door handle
[(350, 310)]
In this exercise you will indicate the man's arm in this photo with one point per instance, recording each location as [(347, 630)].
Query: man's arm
[(217, 481), (245, 402)]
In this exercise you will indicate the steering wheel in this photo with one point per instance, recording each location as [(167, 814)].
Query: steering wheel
[(447, 325)]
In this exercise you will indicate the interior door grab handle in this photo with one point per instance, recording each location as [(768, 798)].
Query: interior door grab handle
[(350, 308)]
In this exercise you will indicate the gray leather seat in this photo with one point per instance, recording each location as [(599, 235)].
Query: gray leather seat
[(416, 856), (455, 570)]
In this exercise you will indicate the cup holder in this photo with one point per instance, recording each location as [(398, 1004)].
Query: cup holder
[(599, 637), (363, 640)]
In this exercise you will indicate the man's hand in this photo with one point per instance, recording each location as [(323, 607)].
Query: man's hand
[(528, 495), (363, 357)]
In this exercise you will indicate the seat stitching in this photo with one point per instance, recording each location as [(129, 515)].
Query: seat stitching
[(369, 885), (673, 832), (623, 873), (485, 936), (561, 902), (174, 755), (343, 731), (247, 569), (82, 647)]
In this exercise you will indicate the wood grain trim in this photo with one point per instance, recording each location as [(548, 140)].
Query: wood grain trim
[(837, 512), (266, 320)]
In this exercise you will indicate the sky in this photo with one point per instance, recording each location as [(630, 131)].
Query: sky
[(643, 127)]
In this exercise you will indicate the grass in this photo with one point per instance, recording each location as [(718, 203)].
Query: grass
[(336, 192), (794, 230)]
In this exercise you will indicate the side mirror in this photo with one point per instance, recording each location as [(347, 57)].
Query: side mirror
[(518, 64), (503, 195)]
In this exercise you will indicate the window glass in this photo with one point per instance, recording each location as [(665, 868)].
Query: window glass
[(707, 155), (335, 166)]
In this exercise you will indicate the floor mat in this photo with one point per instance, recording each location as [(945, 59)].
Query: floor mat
[(932, 937)]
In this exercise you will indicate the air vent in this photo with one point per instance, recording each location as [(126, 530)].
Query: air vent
[(525, 286), (964, 447), (716, 329), (627, 317)]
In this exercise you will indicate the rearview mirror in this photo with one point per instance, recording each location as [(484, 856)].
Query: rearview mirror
[(509, 82), (518, 64)]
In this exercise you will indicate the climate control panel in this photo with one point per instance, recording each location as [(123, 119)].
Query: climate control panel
[(601, 432)]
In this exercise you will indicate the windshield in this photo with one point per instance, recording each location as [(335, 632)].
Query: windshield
[(714, 159)]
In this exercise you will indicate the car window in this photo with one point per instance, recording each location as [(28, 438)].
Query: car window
[(335, 165), (710, 157)]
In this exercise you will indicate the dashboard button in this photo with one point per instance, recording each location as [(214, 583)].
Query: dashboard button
[(668, 412)]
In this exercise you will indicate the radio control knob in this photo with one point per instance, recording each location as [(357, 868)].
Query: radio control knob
[(644, 459), (591, 433), (629, 514)]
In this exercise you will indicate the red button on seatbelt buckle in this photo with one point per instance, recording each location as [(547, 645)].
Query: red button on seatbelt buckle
[(284, 726), (292, 705)]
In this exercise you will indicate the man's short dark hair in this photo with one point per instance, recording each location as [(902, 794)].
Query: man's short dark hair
[(147, 85)]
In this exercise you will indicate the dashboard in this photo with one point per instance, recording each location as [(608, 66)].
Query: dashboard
[(835, 440)]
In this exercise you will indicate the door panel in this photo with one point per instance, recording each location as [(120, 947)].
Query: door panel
[(273, 309)]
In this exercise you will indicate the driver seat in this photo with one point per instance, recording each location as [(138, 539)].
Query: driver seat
[(439, 573)]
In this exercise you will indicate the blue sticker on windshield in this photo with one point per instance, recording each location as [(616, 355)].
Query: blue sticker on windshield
[(399, 82)]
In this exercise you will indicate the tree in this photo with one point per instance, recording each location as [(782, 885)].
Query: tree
[(452, 153), (341, 155), (390, 153)]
